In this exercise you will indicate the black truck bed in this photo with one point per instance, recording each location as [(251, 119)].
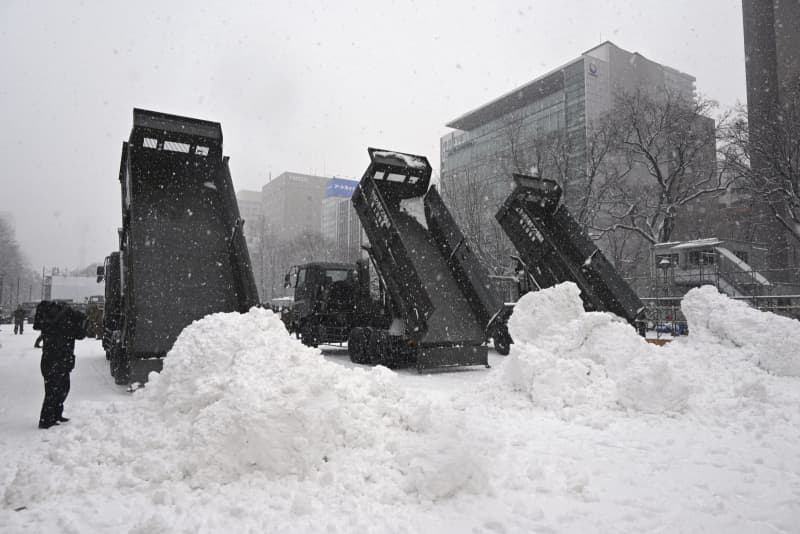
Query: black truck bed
[(452, 320), (179, 267), (554, 248), (427, 290), (182, 250)]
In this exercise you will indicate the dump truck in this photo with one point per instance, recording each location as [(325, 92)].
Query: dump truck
[(440, 300), (553, 248), (182, 254)]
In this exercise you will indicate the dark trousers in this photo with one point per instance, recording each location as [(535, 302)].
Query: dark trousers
[(56, 388), (19, 325)]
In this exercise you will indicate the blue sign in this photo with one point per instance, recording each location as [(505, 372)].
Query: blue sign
[(339, 187)]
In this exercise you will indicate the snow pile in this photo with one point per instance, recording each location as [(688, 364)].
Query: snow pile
[(766, 339), (409, 160), (415, 208), (240, 399), (246, 430), (565, 359)]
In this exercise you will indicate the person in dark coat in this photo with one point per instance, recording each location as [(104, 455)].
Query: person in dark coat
[(60, 326), (19, 319)]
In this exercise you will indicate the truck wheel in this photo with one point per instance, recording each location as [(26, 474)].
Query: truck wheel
[(113, 359), (308, 337), (120, 366), (357, 345), (502, 343), (378, 348)]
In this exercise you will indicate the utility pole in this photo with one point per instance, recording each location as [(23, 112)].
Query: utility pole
[(18, 291)]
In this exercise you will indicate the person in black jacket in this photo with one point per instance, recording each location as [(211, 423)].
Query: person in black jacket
[(19, 319), (60, 326)]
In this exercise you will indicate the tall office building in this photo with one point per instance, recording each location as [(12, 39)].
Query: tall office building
[(772, 68), (566, 101), (340, 224), (291, 204), (772, 57)]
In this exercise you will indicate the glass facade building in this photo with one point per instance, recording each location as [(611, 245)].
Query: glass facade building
[(506, 135)]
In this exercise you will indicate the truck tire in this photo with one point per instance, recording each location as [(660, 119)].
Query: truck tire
[(502, 342), (113, 359), (123, 376), (357, 345), (379, 348), (308, 336), (120, 366)]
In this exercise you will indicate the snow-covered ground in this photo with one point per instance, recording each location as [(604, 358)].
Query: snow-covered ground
[(583, 428)]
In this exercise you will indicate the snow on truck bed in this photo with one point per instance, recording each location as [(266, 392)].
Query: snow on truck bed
[(583, 428)]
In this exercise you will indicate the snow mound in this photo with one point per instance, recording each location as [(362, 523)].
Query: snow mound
[(766, 339), (240, 399), (415, 207), (565, 359)]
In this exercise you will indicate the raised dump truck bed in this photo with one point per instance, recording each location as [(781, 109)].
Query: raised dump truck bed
[(443, 311), (182, 252), (553, 248)]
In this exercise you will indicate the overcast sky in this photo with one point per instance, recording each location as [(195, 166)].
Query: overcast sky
[(300, 86)]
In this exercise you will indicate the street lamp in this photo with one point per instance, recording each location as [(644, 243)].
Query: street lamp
[(706, 258), (664, 266)]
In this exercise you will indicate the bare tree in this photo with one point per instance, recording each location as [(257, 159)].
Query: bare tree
[(584, 165), (670, 145), (584, 176), (471, 200), (768, 163), (17, 278), (275, 254)]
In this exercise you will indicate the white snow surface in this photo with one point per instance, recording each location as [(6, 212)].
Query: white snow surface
[(575, 363), (722, 324), (583, 428), (415, 207), (410, 161)]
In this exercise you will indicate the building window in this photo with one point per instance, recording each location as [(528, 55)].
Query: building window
[(701, 257)]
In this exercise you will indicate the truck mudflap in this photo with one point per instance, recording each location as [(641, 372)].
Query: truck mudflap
[(451, 356), (553, 248)]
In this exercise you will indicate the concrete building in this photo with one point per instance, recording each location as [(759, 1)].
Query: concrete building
[(340, 225), (547, 126), (291, 204), (566, 100), (772, 57), (772, 68)]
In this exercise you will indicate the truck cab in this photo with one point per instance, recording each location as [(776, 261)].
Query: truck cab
[(329, 300)]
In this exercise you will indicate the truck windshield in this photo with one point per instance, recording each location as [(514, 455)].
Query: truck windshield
[(336, 275)]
